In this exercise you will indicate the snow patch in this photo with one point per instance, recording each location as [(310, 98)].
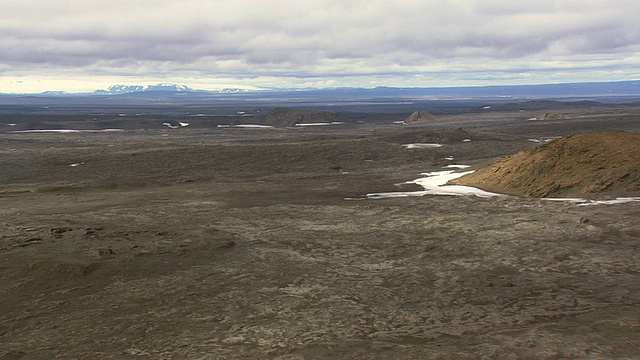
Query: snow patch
[(435, 184), (574, 200), (256, 126), (587, 202), (62, 131), (421, 146), (619, 200), (321, 123), (47, 131)]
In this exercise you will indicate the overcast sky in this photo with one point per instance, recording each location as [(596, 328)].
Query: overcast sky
[(83, 45)]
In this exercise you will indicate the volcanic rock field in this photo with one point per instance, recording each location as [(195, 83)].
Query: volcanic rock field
[(213, 242)]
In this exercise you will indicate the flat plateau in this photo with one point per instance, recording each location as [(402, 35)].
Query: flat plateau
[(231, 243)]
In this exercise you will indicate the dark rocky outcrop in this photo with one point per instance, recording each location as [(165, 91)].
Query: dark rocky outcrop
[(419, 117), (551, 116), (283, 117), (287, 117)]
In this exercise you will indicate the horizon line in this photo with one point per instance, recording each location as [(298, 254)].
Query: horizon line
[(310, 88)]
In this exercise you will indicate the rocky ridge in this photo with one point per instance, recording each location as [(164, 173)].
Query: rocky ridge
[(283, 117), (288, 117)]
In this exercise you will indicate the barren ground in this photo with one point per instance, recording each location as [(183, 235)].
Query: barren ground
[(239, 244)]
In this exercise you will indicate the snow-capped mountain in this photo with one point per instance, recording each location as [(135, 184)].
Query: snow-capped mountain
[(127, 89)]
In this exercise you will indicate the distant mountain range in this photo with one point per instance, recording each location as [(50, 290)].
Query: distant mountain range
[(164, 88), (599, 89), (618, 88), (168, 93), (124, 89)]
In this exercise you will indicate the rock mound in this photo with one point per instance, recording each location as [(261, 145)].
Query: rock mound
[(290, 117), (576, 165), (551, 116), (419, 117)]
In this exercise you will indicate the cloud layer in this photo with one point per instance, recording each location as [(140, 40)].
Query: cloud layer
[(316, 43)]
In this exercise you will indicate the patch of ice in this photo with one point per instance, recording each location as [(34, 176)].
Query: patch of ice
[(12, 124), (47, 131), (314, 124), (64, 131), (487, 107), (450, 158), (534, 140), (246, 126), (398, 194), (254, 126), (421, 146), (183, 124), (435, 184), (321, 123), (457, 166), (399, 122), (76, 164), (619, 200), (170, 126), (574, 200), (466, 140), (587, 202)]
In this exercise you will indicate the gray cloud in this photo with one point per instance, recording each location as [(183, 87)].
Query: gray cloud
[(288, 39)]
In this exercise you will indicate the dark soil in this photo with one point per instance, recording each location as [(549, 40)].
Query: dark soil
[(240, 244)]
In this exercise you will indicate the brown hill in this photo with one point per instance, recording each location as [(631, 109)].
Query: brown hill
[(576, 165), (290, 117), (419, 117)]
